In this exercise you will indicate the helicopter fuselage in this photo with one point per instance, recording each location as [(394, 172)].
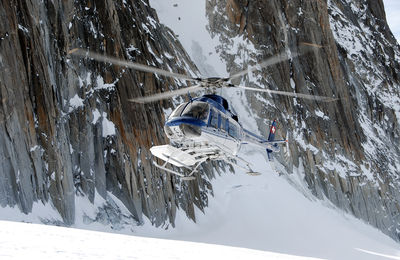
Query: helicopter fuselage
[(205, 129), (205, 121)]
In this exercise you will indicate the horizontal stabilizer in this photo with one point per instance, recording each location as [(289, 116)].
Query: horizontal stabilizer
[(276, 142)]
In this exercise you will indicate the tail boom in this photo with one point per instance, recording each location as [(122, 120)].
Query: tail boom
[(271, 145)]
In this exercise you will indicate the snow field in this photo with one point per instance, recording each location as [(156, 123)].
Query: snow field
[(277, 214), (33, 241)]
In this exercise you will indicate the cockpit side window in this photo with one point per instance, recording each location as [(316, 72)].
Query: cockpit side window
[(196, 109), (233, 130), (214, 118), (177, 112), (222, 125), (226, 125)]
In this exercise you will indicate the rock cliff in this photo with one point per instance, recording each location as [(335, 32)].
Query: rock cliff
[(67, 130), (348, 150)]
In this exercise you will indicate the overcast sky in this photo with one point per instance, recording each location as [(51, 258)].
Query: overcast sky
[(392, 9)]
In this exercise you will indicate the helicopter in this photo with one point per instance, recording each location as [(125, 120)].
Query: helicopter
[(205, 128)]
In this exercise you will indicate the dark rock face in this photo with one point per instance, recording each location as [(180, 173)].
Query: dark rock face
[(348, 149), (66, 126)]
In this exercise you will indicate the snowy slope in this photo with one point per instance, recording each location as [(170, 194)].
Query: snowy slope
[(274, 213), (22, 241), (269, 212)]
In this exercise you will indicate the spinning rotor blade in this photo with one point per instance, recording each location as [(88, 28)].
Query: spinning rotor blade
[(291, 94), (166, 95), (268, 62), (129, 64)]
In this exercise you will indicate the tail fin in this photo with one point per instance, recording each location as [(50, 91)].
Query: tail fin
[(272, 131), (271, 137)]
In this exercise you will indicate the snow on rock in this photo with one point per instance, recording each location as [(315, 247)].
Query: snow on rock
[(85, 80), (321, 114), (96, 116), (366, 49), (22, 28), (101, 85), (75, 102), (108, 126), (103, 214), (178, 15)]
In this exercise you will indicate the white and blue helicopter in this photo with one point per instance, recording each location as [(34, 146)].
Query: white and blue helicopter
[(205, 128)]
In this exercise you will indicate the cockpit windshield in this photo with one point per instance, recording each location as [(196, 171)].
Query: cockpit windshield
[(177, 112), (197, 110)]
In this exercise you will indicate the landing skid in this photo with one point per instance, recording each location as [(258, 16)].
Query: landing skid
[(248, 170), (184, 157), (192, 157), (188, 177)]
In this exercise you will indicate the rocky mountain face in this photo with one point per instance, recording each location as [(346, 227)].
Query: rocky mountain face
[(67, 130), (348, 149)]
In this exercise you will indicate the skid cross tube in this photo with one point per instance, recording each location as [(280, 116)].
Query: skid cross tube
[(189, 176)]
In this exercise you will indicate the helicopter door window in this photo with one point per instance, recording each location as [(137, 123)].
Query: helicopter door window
[(226, 126), (232, 130), (196, 109), (223, 124), (214, 119)]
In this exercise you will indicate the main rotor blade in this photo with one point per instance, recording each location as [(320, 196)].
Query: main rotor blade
[(130, 64), (268, 62), (165, 95), (291, 94)]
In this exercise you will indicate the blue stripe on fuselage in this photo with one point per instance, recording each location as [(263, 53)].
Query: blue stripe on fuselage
[(212, 131), (176, 121)]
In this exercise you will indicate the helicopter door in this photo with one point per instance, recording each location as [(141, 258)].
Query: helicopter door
[(233, 136), (223, 129), (213, 123), (214, 118), (215, 127), (226, 126)]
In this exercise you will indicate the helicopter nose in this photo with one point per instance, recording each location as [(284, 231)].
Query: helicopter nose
[(168, 131), (190, 131)]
